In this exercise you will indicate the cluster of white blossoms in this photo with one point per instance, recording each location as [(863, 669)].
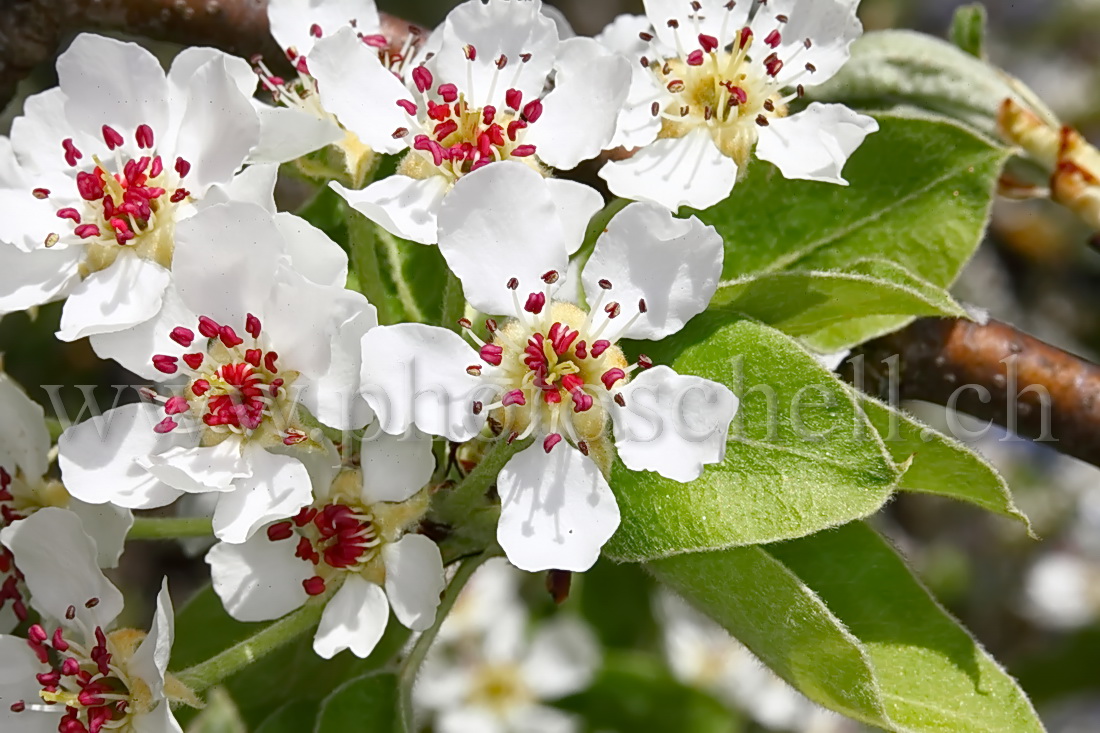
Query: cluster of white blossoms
[(145, 200)]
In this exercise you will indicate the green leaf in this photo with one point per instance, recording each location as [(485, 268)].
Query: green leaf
[(871, 255), (635, 692), (803, 456), (294, 717), (968, 29), (219, 716), (901, 66), (364, 703), (604, 591), (292, 673), (940, 464), (841, 617)]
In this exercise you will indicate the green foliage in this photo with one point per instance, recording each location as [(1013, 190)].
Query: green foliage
[(968, 29), (838, 265), (367, 702), (803, 456), (841, 617), (219, 716), (635, 692)]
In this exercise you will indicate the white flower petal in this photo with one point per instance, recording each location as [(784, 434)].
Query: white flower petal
[(711, 18), (301, 320), (134, 347), (114, 83), (830, 25), (814, 144), (36, 136), (535, 718), (17, 683), (361, 92), (416, 375), (125, 294), (287, 133), (499, 27), (674, 172), (562, 658), (395, 467), (107, 525), (254, 185), (292, 20), (58, 561), (218, 129), (636, 125), (576, 204), (556, 511), (441, 684), (278, 488), (200, 469), (403, 206), (188, 62), (311, 252), (414, 580), (482, 223), (225, 262), (579, 115), (24, 438), (150, 660), (35, 278), (673, 264), (354, 619), (467, 719), (673, 424), (157, 720), (99, 458), (259, 580)]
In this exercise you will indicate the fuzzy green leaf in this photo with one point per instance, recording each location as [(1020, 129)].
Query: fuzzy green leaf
[(364, 703), (968, 29)]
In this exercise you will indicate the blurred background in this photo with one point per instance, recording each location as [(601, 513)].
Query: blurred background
[(1034, 605)]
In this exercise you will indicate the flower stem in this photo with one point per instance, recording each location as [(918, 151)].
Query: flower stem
[(166, 528), (363, 239), (411, 665), (263, 642)]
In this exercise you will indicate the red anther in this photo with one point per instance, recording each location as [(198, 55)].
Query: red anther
[(58, 641), (773, 39), (269, 362), (166, 425), (501, 61), (200, 387), (490, 325), (304, 517), (293, 437), (488, 114), (612, 309), (314, 586), (551, 396), (773, 64), (252, 356), (182, 167), (644, 362), (448, 92), (737, 94), (408, 105), (400, 133), (525, 57), (642, 307), (810, 67), (470, 51), (70, 667), (157, 167), (550, 441), (550, 277), (48, 679), (695, 58), (465, 323), (709, 43), (182, 336), (647, 37), (535, 303), (514, 99), (620, 400), (605, 284), (513, 283), (571, 383), (514, 128), (315, 30), (443, 129), (229, 337), (611, 376), (532, 110), (144, 136), (581, 350), (72, 154), (582, 402), (477, 407), (37, 634), (301, 66), (252, 326), (179, 195), (376, 40), (111, 137), (69, 213), (745, 37), (515, 397), (599, 347), (41, 193), (491, 354), (422, 78), (280, 531), (673, 23), (165, 363), (176, 405), (423, 142), (18, 707), (70, 613), (474, 370)]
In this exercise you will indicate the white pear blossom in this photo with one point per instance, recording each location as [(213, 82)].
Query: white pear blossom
[(712, 80), (74, 673), (479, 96), (246, 342), (355, 537), (553, 371), (500, 680), (702, 654), (99, 170), (25, 488)]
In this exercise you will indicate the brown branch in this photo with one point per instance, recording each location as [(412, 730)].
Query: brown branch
[(31, 30), (997, 373)]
